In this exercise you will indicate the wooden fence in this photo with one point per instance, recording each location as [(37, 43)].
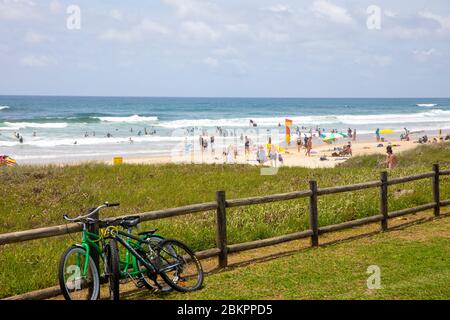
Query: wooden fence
[(221, 204)]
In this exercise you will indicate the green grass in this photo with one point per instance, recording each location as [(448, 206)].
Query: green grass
[(33, 197), (413, 263)]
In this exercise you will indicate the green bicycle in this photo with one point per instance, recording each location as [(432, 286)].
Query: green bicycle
[(146, 257)]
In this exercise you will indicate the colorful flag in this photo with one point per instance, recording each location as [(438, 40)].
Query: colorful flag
[(288, 123)]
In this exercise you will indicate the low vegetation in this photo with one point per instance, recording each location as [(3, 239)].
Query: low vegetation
[(33, 197), (340, 271)]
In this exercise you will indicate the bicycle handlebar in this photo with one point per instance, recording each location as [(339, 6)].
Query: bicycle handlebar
[(112, 204), (92, 212)]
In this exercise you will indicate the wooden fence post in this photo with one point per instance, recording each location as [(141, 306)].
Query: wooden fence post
[(221, 229), (384, 200), (436, 193), (94, 228), (313, 214)]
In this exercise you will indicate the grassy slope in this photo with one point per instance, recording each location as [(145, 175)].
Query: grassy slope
[(413, 261), (38, 196)]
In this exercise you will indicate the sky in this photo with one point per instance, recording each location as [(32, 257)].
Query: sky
[(226, 48)]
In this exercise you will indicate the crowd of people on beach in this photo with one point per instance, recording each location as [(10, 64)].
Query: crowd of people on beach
[(264, 152)]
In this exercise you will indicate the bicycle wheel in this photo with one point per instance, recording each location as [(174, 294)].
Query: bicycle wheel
[(152, 281), (113, 269), (78, 275), (179, 266)]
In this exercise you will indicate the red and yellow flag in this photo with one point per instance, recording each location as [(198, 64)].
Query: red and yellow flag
[(288, 123)]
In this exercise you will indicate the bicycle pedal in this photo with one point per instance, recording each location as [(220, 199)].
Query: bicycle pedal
[(140, 284)]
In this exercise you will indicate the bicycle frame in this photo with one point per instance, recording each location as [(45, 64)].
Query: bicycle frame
[(91, 241), (136, 255), (130, 260)]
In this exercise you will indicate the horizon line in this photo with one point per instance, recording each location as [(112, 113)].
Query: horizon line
[(213, 97)]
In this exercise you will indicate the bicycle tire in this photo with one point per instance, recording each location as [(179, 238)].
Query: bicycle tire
[(178, 282), (112, 256), (92, 291), (147, 281)]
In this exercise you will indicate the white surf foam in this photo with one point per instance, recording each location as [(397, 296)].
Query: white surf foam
[(4, 107), (427, 105), (435, 115), (22, 125), (130, 119), (43, 143)]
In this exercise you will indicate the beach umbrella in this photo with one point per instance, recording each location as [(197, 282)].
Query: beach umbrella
[(7, 161), (387, 131), (334, 136)]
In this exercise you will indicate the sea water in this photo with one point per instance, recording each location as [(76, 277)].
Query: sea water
[(65, 129)]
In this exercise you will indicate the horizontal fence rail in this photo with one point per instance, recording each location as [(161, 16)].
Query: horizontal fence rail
[(221, 205)]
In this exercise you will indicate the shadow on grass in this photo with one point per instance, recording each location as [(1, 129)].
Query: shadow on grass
[(139, 294)]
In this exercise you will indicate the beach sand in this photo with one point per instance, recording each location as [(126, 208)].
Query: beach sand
[(291, 157)]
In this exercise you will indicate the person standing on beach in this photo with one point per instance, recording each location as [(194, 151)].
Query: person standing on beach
[(212, 144), (354, 134), (299, 143), (391, 158), (273, 155), (377, 133), (247, 147), (308, 146)]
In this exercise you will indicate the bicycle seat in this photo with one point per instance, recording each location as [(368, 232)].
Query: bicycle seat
[(148, 233), (130, 222)]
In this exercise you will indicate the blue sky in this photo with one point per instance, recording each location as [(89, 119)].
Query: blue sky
[(227, 48)]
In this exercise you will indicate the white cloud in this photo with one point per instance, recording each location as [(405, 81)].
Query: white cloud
[(17, 9), (390, 14), (238, 28), (424, 55), (272, 36), (32, 37), (116, 14), (279, 8), (194, 8), (404, 33), (211, 62), (373, 59), (137, 33), (55, 7), (37, 61), (331, 11), (198, 31), (444, 22), (226, 52)]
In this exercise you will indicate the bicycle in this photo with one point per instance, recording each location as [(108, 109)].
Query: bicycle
[(146, 257)]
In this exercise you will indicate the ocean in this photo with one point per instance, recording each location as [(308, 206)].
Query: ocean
[(65, 129)]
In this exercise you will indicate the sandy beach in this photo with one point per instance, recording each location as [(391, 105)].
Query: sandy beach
[(291, 156)]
